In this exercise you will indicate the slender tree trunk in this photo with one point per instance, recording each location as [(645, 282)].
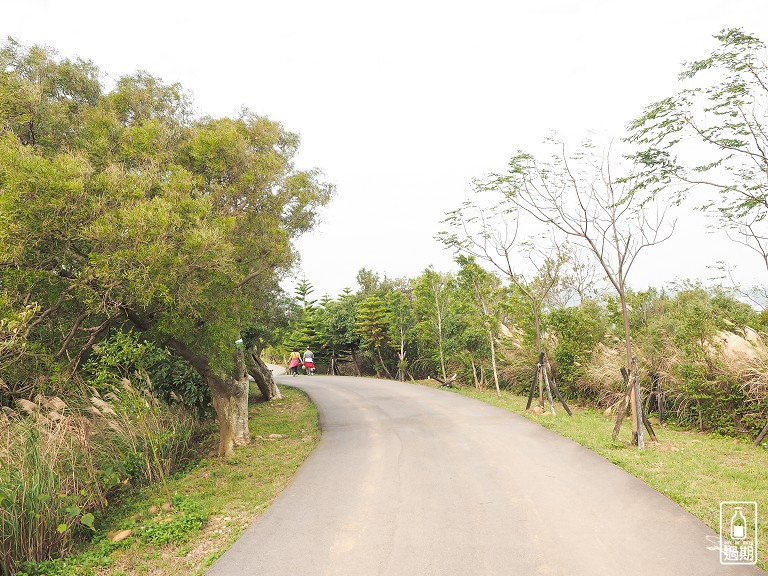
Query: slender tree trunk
[(356, 362), (383, 366), (492, 342), (229, 394), (537, 325), (493, 363), (440, 335), (401, 357), (474, 373)]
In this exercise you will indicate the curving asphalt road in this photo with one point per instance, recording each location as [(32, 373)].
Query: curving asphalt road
[(412, 481)]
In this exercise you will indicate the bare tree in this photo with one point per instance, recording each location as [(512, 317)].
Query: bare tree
[(578, 196), (580, 280), (492, 236)]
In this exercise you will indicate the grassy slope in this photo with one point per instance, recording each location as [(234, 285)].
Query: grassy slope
[(232, 492), (697, 471)]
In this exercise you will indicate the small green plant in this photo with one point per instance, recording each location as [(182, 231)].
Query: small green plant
[(189, 517), (138, 436)]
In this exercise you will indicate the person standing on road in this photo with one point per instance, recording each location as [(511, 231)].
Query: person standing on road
[(293, 363), (309, 361)]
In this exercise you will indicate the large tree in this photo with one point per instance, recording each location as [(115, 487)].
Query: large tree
[(123, 209)]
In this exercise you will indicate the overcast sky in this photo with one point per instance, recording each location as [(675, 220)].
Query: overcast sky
[(402, 103)]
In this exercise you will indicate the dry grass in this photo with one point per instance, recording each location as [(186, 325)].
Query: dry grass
[(232, 491), (58, 462), (47, 480)]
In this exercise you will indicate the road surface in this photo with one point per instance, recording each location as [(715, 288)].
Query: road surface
[(413, 481)]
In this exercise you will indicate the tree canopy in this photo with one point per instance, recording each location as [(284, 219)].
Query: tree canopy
[(123, 208)]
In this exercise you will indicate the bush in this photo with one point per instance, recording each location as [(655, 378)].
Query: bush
[(125, 355), (577, 331)]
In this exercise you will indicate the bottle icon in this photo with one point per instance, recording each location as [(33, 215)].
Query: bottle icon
[(738, 525)]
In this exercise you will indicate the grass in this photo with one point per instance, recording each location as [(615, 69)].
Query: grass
[(214, 500), (696, 470)]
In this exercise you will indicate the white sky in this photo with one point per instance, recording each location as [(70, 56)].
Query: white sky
[(402, 103)]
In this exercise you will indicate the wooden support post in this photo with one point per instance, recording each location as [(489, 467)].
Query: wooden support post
[(549, 391), (554, 388), (535, 379), (562, 401), (762, 434), (625, 404), (651, 433), (444, 383), (638, 405)]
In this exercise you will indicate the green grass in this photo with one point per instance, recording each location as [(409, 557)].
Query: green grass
[(696, 470), (214, 500)]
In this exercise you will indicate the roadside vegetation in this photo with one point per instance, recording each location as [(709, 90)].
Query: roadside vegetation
[(181, 526), (141, 252)]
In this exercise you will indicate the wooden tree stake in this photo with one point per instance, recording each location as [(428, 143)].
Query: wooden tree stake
[(535, 379), (638, 405), (762, 434), (625, 404)]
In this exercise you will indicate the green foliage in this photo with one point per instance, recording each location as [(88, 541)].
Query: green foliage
[(125, 355), (140, 439), (122, 209), (577, 331), (432, 298), (372, 321), (721, 114)]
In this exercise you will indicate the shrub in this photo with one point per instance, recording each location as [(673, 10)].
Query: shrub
[(125, 355), (57, 464), (577, 331)]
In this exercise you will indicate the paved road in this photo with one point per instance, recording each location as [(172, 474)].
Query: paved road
[(412, 481)]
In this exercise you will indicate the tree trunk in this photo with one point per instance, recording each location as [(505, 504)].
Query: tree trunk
[(493, 363), (230, 401), (262, 375), (229, 393), (383, 366), (401, 357), (537, 324), (474, 373), (491, 340), (356, 362), (440, 333)]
